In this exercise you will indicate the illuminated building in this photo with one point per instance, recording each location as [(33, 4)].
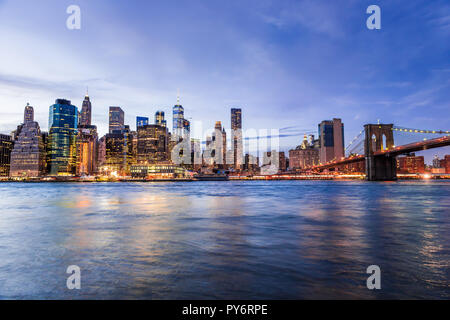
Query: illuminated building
[(305, 155), (159, 119), (86, 112), (152, 144), (236, 138), (178, 119), (116, 119), (141, 121), (28, 154), (118, 152), (87, 150), (62, 146), (5, 154), (158, 171), (411, 164), (331, 137)]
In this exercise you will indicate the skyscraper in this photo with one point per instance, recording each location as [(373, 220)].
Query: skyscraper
[(331, 137), (62, 147), (86, 111), (5, 154), (141, 121), (236, 137), (116, 119), (28, 114), (152, 144), (159, 119), (178, 119)]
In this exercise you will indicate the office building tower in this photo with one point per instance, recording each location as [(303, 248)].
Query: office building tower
[(331, 137), (28, 114), (119, 152), (152, 144), (178, 119), (87, 150), (159, 119), (116, 119), (101, 152), (28, 157), (62, 148), (6, 145), (86, 112), (236, 138)]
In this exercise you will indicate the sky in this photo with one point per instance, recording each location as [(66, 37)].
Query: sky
[(285, 63)]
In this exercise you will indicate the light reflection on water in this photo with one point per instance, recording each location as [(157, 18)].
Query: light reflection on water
[(278, 239)]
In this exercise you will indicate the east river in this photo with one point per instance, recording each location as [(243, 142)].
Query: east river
[(225, 240)]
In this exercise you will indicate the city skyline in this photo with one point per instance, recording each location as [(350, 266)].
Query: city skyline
[(319, 61)]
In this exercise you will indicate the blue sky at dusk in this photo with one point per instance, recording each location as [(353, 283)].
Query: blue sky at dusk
[(285, 63)]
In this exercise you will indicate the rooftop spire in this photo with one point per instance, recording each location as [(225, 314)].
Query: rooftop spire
[(178, 96), (87, 91)]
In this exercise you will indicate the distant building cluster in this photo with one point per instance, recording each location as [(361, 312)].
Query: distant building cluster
[(73, 148)]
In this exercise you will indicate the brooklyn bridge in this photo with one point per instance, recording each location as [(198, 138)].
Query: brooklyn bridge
[(374, 147)]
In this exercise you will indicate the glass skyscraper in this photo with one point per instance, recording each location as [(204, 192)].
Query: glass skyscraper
[(62, 146)]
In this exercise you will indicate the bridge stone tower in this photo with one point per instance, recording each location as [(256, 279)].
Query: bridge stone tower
[(381, 167)]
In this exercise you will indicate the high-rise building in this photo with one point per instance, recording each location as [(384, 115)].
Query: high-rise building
[(87, 150), (236, 138), (86, 112), (6, 145), (219, 138), (28, 155), (152, 144), (28, 114), (116, 119), (119, 152), (101, 151), (62, 146), (331, 137), (141, 121), (178, 119), (159, 119)]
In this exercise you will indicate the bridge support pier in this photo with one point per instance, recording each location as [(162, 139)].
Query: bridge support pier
[(381, 168)]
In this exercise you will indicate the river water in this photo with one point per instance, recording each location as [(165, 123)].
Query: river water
[(225, 240)]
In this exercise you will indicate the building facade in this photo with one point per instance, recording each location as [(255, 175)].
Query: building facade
[(28, 158), (86, 112), (331, 137), (6, 145), (159, 119), (410, 164), (62, 148), (237, 146), (116, 119), (152, 144)]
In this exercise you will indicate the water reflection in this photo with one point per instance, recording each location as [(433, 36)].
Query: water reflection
[(287, 239)]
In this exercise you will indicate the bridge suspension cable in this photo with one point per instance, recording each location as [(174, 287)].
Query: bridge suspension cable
[(402, 129)]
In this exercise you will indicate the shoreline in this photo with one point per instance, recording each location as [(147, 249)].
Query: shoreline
[(230, 178)]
